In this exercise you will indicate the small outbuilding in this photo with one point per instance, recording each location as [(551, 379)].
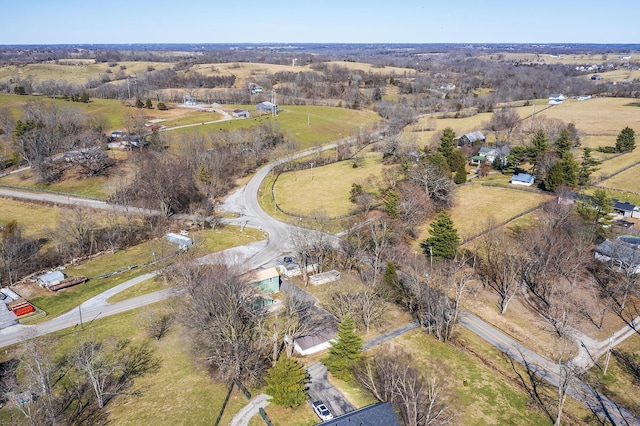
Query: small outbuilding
[(471, 138), (524, 179), (241, 113), (324, 277), (626, 209), (183, 241), (52, 278), (267, 106)]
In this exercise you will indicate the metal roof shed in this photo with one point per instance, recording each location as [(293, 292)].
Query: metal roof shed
[(50, 279)]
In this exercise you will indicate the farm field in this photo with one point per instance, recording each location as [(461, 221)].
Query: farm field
[(35, 219), (74, 71), (625, 181)]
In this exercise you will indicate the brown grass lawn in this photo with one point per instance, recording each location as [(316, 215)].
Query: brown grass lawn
[(623, 74), (629, 180), (613, 165), (324, 189), (476, 394), (34, 218), (604, 117), (475, 204)]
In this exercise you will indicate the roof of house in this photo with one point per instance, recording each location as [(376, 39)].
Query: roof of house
[(474, 136), (51, 277), (556, 95), (263, 274), (522, 177), (317, 337), (487, 151), (380, 414), (620, 251), (266, 104), (624, 206)]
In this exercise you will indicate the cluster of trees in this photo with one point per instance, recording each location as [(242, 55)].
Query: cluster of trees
[(75, 387), (78, 234)]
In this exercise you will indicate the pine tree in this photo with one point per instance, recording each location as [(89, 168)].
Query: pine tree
[(139, 103), (540, 145), (447, 143), (391, 282), (461, 175), (587, 167), (626, 140), (346, 351), (554, 178), (286, 383), (444, 240), (563, 143), (148, 104), (570, 169), (391, 203), (597, 208)]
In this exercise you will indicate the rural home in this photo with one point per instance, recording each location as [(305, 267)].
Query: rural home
[(626, 209), (556, 98), (266, 106), (316, 341), (522, 179), (623, 252), (265, 280), (471, 138), (52, 278), (241, 113), (379, 414), (324, 277)]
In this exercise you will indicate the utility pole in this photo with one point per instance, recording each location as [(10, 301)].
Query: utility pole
[(80, 312), (606, 361)]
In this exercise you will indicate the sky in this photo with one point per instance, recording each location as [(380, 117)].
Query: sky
[(320, 21)]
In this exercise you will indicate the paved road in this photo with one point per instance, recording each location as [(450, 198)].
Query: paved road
[(547, 370)]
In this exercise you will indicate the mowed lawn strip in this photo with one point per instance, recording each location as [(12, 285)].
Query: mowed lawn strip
[(324, 189)]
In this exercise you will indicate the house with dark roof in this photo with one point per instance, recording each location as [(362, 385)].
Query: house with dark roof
[(315, 341), (381, 414), (626, 209)]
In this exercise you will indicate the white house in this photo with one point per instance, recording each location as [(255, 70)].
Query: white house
[(241, 113), (524, 179), (180, 240), (556, 98)]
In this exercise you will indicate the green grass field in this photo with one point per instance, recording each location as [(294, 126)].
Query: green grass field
[(324, 189), (34, 218)]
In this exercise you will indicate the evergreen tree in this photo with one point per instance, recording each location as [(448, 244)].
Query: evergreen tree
[(461, 175), (286, 383), (570, 169), (391, 281), (554, 178), (597, 208), (457, 160), (540, 145), (626, 140), (447, 145), (139, 104), (391, 203), (563, 143), (346, 351), (587, 167), (148, 104), (444, 240)]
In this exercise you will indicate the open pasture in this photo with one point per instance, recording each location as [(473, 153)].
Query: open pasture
[(73, 71), (324, 189)]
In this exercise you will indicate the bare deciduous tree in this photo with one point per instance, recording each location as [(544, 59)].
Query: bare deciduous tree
[(391, 376), (229, 331)]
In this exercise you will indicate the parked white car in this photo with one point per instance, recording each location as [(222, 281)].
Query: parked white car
[(321, 410)]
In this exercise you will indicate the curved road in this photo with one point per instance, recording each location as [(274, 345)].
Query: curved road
[(245, 202)]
